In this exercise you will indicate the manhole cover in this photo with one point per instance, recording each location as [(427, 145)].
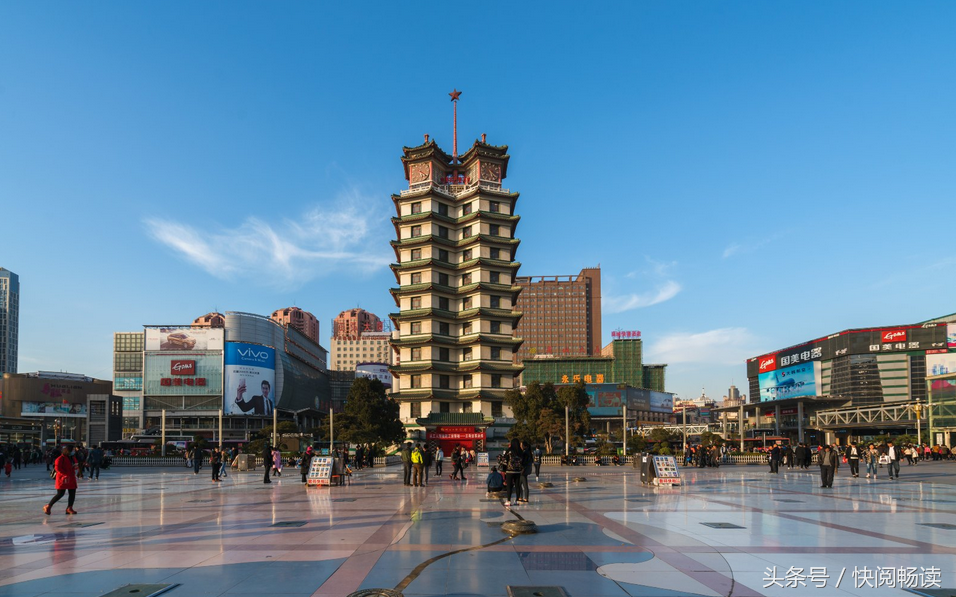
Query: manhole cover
[(637, 500), (579, 479), (556, 560), (79, 525), (722, 525), (939, 525), (343, 500), (790, 501), (536, 592), (376, 593), (140, 590), (291, 523), (519, 527), (200, 501), (490, 500)]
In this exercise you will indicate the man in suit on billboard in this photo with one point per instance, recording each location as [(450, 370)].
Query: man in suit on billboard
[(259, 405)]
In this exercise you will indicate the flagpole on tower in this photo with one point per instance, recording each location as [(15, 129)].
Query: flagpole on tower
[(454, 147)]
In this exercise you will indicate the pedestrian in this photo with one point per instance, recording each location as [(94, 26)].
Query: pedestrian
[(65, 480), (80, 457), (96, 461), (359, 457), (513, 459), (227, 458), (872, 457), (439, 460), (407, 464), (427, 464), (266, 461), (418, 462), (537, 462), (215, 463), (775, 459), (458, 459), (196, 457), (853, 458), (495, 481), (527, 459), (306, 463), (828, 463), (276, 462), (893, 455)]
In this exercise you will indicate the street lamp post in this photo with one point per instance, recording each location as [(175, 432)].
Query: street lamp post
[(918, 410), (567, 432)]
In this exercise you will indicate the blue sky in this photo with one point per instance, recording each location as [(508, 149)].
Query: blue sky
[(748, 175)]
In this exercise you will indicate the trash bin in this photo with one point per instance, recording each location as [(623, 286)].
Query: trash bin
[(247, 462), (647, 468)]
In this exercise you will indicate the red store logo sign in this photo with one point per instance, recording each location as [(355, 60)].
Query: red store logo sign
[(178, 381), (182, 367), (768, 363), (894, 336)]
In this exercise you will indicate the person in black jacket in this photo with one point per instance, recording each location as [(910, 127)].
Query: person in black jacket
[(266, 461), (306, 463)]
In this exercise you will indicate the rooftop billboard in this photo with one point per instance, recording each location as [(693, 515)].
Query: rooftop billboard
[(184, 339)]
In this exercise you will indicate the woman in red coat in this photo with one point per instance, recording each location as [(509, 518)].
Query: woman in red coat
[(65, 468)]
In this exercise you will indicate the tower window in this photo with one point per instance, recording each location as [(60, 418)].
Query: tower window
[(416, 231), (417, 207)]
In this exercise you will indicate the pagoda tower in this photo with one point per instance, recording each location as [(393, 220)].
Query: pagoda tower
[(455, 268)]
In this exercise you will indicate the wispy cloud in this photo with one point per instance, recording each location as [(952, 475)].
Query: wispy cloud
[(288, 253), (743, 247), (725, 346), (656, 274), (626, 302)]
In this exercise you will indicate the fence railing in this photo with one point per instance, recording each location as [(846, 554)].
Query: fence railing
[(152, 461)]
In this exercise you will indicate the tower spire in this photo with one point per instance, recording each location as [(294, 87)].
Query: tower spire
[(454, 147)]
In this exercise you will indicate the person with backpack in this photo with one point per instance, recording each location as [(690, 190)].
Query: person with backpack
[(418, 462), (458, 459), (514, 460), (537, 462)]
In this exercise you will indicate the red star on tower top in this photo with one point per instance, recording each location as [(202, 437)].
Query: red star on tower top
[(454, 95)]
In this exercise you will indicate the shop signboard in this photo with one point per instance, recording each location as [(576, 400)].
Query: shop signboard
[(454, 433), (940, 364), (184, 339), (789, 382), (666, 471), (250, 379), (52, 409), (182, 374)]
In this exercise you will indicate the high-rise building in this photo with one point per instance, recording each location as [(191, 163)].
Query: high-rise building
[(128, 378), (369, 347), (9, 320), (455, 252), (351, 323), (560, 315), (296, 318), (733, 394)]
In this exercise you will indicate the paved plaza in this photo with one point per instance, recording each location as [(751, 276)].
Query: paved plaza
[(607, 535)]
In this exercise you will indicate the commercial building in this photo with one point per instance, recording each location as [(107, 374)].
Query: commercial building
[(9, 320), (248, 368), (296, 318), (128, 350), (58, 402), (852, 384), (560, 315), (455, 268), (620, 363), (352, 323), (359, 338)]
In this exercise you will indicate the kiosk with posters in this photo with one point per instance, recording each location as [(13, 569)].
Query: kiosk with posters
[(665, 471), (320, 471)]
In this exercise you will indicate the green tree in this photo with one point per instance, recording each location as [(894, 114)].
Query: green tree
[(708, 438), (636, 444), (576, 399), (370, 417), (663, 438), (528, 408)]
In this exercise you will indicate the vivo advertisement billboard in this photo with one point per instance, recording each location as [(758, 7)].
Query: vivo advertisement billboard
[(789, 382), (184, 339), (250, 371)]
